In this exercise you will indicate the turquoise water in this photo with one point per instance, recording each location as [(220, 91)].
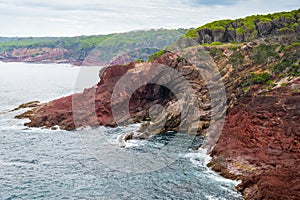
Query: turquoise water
[(44, 164)]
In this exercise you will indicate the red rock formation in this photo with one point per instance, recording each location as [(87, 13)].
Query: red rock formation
[(260, 144), (61, 111), (38, 55)]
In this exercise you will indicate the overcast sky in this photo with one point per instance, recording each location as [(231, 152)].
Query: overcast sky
[(90, 17)]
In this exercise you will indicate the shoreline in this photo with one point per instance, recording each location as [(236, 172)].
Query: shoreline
[(259, 140)]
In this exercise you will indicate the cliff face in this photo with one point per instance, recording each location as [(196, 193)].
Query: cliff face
[(61, 111), (249, 28), (39, 55), (260, 143), (66, 115), (260, 140)]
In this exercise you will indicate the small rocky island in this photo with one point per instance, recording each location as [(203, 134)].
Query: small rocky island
[(258, 63)]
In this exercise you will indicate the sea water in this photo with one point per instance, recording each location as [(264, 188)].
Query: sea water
[(46, 164)]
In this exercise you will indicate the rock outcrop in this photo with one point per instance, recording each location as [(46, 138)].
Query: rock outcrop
[(260, 144), (260, 140), (61, 112), (38, 55), (167, 74), (247, 29)]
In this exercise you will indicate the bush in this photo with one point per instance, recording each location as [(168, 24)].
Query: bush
[(215, 52), (216, 43), (156, 55), (233, 48), (260, 78), (271, 83), (240, 31), (263, 52), (139, 61), (236, 59), (284, 66), (191, 34)]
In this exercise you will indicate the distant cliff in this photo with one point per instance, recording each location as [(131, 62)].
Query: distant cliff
[(88, 50), (249, 28)]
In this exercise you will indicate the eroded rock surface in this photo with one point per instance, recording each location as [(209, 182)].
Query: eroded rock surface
[(62, 112), (260, 144), (260, 140)]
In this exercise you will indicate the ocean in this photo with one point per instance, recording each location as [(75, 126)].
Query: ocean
[(54, 164)]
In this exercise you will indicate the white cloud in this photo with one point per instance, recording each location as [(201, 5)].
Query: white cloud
[(86, 17)]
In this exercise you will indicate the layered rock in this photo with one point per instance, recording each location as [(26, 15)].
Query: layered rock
[(95, 104), (61, 111), (38, 55), (260, 144), (260, 140)]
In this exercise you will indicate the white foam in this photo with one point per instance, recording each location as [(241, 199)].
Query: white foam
[(210, 197), (201, 158)]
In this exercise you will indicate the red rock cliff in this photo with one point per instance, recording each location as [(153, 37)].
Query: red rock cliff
[(260, 144)]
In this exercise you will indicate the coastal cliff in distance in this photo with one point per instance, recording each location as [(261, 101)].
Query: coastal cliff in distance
[(260, 141), (249, 28), (88, 50)]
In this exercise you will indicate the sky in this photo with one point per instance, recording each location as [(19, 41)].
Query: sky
[(94, 17)]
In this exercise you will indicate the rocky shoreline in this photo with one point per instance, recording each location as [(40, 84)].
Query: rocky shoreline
[(38, 55), (260, 144), (260, 141)]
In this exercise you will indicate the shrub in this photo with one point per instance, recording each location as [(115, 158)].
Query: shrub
[(192, 34), (263, 52), (240, 31), (271, 83), (260, 78), (156, 55), (216, 43), (233, 48), (236, 59), (139, 61), (215, 52)]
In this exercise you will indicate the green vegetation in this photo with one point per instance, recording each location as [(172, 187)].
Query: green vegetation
[(216, 43), (104, 46), (139, 61), (289, 64), (236, 59), (240, 31), (216, 24), (191, 33), (286, 21), (264, 53), (286, 67), (215, 52), (260, 78), (270, 83), (156, 55), (283, 84)]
